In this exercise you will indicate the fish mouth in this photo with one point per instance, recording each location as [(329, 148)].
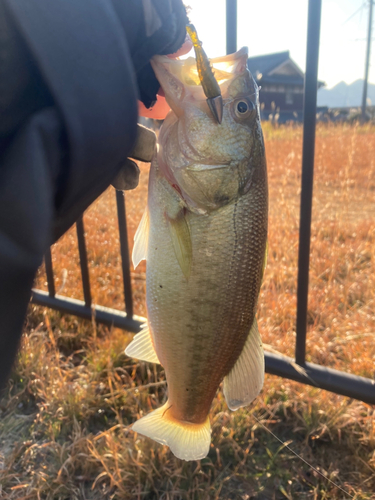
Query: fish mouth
[(179, 78)]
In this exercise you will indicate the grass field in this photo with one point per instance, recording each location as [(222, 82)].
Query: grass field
[(65, 417)]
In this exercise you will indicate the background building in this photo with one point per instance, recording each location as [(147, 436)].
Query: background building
[(281, 82)]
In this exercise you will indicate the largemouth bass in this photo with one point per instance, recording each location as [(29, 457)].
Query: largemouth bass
[(204, 236)]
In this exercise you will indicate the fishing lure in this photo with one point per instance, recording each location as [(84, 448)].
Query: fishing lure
[(206, 75)]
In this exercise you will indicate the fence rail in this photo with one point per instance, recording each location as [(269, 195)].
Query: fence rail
[(299, 370)]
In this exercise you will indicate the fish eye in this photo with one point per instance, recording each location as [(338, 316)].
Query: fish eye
[(244, 108)]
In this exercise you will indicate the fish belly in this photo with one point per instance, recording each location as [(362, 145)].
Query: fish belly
[(200, 324)]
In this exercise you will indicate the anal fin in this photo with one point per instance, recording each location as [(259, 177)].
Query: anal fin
[(142, 347), (245, 381)]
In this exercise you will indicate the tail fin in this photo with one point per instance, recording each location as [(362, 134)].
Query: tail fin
[(187, 441)]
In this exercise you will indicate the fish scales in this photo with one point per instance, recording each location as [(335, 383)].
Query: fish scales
[(209, 315), (204, 236)]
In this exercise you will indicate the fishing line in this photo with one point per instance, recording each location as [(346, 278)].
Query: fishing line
[(301, 458)]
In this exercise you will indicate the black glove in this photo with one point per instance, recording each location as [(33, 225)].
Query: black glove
[(163, 33), (70, 73), (128, 176)]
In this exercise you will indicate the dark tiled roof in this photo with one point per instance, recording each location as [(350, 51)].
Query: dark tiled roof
[(286, 79), (280, 79), (265, 64)]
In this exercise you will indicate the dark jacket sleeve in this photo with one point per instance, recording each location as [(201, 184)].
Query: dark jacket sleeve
[(67, 122)]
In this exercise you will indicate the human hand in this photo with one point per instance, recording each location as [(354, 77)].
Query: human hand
[(128, 176)]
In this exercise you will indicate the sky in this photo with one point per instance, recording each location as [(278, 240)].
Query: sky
[(267, 26)]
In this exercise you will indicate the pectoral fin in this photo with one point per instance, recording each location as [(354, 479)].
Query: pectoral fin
[(141, 240), (142, 346), (181, 241), (244, 382)]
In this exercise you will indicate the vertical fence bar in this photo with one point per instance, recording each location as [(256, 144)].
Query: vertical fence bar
[(49, 273), (83, 261), (367, 65), (309, 120), (231, 18), (123, 232)]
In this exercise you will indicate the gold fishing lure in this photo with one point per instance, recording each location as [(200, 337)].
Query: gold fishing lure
[(207, 78)]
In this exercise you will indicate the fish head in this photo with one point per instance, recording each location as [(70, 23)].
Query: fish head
[(210, 164)]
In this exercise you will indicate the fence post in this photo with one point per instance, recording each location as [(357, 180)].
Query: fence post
[(83, 261), (125, 258), (49, 273), (309, 121), (231, 20)]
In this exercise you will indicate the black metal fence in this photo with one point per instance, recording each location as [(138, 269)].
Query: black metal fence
[(312, 374)]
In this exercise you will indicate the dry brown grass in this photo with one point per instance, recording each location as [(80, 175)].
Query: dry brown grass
[(64, 429)]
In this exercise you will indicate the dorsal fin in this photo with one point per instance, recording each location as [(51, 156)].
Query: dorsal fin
[(245, 381)]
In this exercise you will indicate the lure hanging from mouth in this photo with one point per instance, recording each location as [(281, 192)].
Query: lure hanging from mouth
[(207, 78)]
